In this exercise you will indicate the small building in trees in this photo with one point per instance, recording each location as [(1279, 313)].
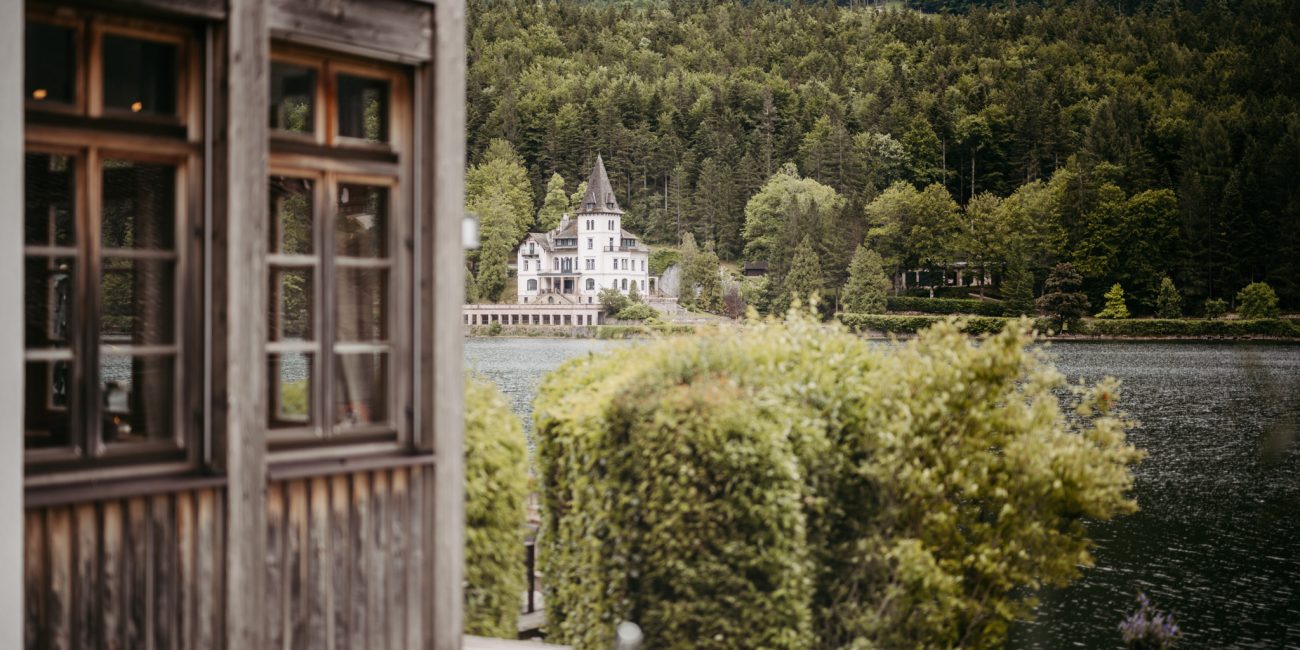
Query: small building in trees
[(585, 254)]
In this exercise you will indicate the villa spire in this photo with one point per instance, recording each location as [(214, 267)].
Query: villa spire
[(600, 194)]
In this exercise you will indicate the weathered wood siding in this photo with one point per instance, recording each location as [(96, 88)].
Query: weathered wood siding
[(140, 572), (347, 560)]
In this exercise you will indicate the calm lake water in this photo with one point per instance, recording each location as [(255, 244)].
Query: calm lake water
[(1217, 541)]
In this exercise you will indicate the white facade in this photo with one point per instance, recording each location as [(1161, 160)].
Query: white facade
[(586, 254)]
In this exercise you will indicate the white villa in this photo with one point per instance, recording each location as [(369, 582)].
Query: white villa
[(588, 253)]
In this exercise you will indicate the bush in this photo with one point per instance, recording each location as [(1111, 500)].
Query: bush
[(1133, 327), (494, 328), (1062, 298), (637, 311), (1215, 308), (899, 324), (613, 300), (944, 306), (661, 259), (793, 486), (496, 483), (1257, 300)]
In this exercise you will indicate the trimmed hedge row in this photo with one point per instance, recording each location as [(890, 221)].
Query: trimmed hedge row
[(944, 306), (790, 485), (496, 484), (1119, 328)]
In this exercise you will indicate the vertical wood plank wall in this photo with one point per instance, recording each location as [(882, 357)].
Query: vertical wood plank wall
[(346, 560), (140, 572)]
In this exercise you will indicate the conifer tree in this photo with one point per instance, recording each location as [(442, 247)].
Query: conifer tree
[(1169, 303), (1115, 307), (1061, 297), (867, 286), (554, 205), (471, 288), (1018, 289), (805, 276), (633, 294)]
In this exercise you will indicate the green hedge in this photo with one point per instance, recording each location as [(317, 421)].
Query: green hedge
[(790, 485), (944, 306), (496, 484), (1118, 328)]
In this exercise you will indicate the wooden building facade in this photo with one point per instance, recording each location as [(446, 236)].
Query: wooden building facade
[(237, 378)]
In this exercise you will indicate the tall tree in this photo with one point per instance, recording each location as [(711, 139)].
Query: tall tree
[(804, 278), (554, 205)]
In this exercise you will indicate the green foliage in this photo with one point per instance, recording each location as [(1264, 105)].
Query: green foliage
[(554, 205), (494, 329), (793, 486), (776, 217), (1169, 303), (613, 300), (661, 259), (701, 286), (637, 311), (1101, 126), (1062, 299), (867, 287), (1018, 289), (913, 229), (1257, 300), (1215, 308), (943, 306), (1115, 307), (498, 190), (898, 324), (496, 483), (633, 294), (471, 288), (804, 281)]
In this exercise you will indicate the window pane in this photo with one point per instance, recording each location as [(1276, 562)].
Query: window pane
[(291, 304), (137, 396), (139, 205), (139, 75), (291, 216), (361, 389), (363, 108), (50, 195), (49, 300), (293, 97), (362, 297), (51, 63), (137, 301), (48, 409), (362, 222), (290, 386)]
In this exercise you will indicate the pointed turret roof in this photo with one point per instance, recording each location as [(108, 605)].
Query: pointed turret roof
[(600, 195)]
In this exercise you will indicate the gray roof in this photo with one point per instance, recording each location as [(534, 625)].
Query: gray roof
[(600, 194)]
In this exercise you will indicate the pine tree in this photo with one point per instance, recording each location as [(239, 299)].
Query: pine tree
[(867, 286), (633, 294), (1061, 297), (554, 205), (1115, 307), (471, 288), (1018, 289), (1169, 303), (805, 276)]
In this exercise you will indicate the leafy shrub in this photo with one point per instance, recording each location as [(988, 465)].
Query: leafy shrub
[(1115, 307), (1215, 308), (944, 306), (900, 324), (1182, 327), (1257, 300), (661, 259), (1169, 303), (496, 483), (494, 328), (637, 311), (613, 300), (793, 486)]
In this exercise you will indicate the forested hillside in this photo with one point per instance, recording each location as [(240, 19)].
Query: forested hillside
[(1133, 142)]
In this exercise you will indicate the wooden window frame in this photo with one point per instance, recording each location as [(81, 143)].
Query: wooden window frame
[(330, 161)]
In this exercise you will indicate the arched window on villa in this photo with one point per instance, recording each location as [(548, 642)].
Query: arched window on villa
[(591, 284), (625, 284), (532, 285)]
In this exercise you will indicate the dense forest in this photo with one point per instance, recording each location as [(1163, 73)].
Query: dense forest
[(1133, 139)]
